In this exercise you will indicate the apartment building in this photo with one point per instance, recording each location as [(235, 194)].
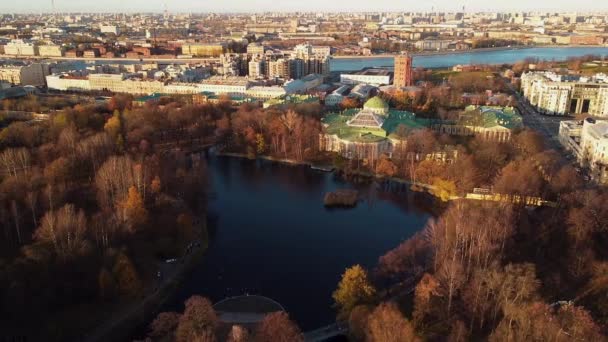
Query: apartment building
[(563, 94), (588, 141), (204, 50), (51, 51), (32, 74), (18, 47)]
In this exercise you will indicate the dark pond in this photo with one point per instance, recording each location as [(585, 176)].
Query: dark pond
[(271, 235)]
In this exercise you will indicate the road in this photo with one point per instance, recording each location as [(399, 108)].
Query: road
[(547, 125), (122, 321)]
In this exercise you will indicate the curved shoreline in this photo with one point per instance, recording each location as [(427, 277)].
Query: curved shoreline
[(414, 186)]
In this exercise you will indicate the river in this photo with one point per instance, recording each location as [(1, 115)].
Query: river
[(472, 57), (271, 235)]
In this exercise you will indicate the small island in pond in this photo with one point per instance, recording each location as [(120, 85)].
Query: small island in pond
[(341, 198)]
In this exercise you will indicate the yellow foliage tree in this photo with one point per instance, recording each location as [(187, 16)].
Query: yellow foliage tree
[(132, 208), (354, 289), (443, 189), (113, 126)]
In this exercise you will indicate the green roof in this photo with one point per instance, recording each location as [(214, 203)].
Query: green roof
[(376, 102), (291, 99), (154, 96), (491, 116), (336, 123)]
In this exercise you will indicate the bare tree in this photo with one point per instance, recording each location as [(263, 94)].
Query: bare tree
[(15, 160), (113, 180), (65, 229)]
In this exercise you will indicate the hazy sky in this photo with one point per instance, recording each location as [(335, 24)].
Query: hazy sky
[(297, 5)]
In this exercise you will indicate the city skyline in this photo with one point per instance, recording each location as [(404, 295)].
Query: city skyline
[(37, 6)]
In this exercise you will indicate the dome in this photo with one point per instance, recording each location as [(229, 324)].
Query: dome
[(377, 105)]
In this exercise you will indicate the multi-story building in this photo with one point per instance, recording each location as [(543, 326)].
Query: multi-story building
[(260, 92), (51, 50), (375, 77), (106, 82), (68, 83), (18, 47), (232, 64), (91, 53), (588, 141), (257, 68), (110, 29), (204, 50), (307, 59), (234, 86), (255, 49), (403, 71), (31, 74), (562, 95), (432, 44), (279, 68)]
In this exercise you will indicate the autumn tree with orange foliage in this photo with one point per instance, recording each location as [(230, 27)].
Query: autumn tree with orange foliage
[(277, 327), (350, 103), (132, 209), (387, 324), (386, 167), (198, 322)]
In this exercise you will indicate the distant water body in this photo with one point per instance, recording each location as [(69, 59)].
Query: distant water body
[(473, 57)]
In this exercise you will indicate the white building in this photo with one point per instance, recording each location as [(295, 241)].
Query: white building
[(51, 50), (588, 141), (68, 83), (110, 29), (259, 92), (18, 47), (304, 84), (594, 148), (562, 95), (376, 77), (31, 74), (234, 86), (337, 96), (257, 68)]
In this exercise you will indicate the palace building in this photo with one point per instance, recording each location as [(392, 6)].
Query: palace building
[(368, 132)]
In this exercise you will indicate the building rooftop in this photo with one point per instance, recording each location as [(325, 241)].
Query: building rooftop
[(491, 116), (375, 102), (338, 123), (373, 72), (291, 99), (598, 129), (151, 97)]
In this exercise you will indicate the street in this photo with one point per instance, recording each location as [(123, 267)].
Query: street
[(547, 125)]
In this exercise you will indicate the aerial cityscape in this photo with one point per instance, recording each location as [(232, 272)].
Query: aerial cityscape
[(303, 171)]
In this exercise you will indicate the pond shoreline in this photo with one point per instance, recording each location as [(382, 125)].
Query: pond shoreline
[(413, 186)]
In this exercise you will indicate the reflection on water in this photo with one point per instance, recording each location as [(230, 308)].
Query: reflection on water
[(271, 234)]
